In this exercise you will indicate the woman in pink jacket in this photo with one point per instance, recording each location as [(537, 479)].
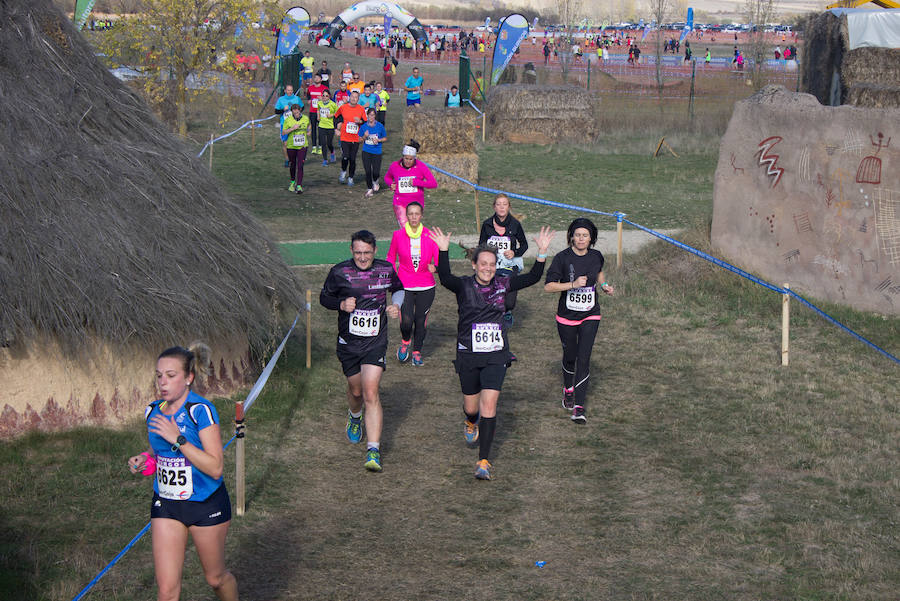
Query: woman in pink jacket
[(416, 253), (408, 179)]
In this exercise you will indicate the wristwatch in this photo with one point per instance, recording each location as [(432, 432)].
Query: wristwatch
[(178, 442)]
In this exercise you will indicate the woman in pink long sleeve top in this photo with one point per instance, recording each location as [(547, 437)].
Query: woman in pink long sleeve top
[(416, 253), (408, 178)]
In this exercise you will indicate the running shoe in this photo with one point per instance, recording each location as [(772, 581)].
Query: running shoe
[(470, 431), (417, 359), (316, 150), (342, 177), (578, 415), (483, 469), (369, 193), (292, 187), (403, 351), (508, 317), (568, 398), (325, 162), (349, 181), (373, 460), (376, 187), (354, 429), (299, 189), (331, 160)]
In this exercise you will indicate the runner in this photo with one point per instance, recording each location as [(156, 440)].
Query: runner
[(408, 179), (283, 108), (505, 233), (413, 87), (314, 94), (327, 109), (325, 73), (189, 495), (482, 354), (382, 108), (357, 289), (296, 128), (346, 73), (577, 273), (352, 116), (368, 99), (356, 84), (342, 96), (416, 253), (373, 135), (308, 63)]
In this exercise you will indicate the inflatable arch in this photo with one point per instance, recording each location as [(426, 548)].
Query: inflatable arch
[(371, 8)]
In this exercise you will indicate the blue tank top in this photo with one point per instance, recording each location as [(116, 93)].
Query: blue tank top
[(176, 479), (452, 101)]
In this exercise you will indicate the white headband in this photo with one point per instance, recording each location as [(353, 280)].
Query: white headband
[(409, 151)]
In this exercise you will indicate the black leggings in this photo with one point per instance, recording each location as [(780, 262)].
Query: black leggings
[(372, 165), (296, 156), (314, 124), (414, 315), (348, 156), (577, 344), (326, 137)]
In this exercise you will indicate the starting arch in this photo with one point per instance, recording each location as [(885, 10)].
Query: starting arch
[(373, 8)]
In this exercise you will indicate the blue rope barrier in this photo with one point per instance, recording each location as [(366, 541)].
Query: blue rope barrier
[(469, 100), (115, 560), (231, 133), (619, 216)]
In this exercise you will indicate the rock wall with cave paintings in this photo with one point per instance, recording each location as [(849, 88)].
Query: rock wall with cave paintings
[(809, 195)]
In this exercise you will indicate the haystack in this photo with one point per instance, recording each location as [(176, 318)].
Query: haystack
[(447, 139), (527, 114), (117, 242), (838, 70), (441, 130)]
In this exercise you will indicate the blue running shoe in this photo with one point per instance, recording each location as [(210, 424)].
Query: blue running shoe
[(483, 470), (403, 351), (354, 429), (325, 163), (470, 431), (417, 359), (373, 460)]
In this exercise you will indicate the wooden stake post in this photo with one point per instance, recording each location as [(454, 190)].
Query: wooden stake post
[(785, 326), (252, 135), (210, 151), (240, 484), (308, 329), (620, 216)]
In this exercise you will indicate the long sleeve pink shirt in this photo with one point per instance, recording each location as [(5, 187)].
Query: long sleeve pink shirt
[(413, 258), (410, 182)]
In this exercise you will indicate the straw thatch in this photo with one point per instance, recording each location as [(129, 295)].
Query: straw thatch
[(112, 231), (441, 130), (462, 164), (835, 75), (540, 114)]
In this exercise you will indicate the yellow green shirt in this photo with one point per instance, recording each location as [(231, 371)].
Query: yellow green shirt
[(307, 62), (384, 100), (296, 138), (326, 114)]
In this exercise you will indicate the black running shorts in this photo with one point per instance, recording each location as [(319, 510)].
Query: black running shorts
[(475, 377), (216, 509), (351, 363)]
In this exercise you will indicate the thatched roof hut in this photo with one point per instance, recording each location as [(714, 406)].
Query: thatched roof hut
[(116, 241), (852, 56)]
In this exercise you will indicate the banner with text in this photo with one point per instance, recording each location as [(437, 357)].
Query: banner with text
[(513, 30)]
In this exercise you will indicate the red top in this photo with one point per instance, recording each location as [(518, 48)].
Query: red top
[(313, 93)]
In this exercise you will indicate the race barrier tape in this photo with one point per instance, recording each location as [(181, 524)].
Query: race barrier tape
[(231, 133)]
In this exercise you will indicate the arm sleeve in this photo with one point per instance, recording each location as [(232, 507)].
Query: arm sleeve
[(554, 273), (389, 175), (427, 178), (329, 298), (517, 282), (448, 280), (392, 250), (522, 240), (485, 234)]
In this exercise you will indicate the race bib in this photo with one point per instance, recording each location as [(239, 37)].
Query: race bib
[(486, 337), (174, 478), (314, 102), (299, 139), (324, 76), (415, 251), (365, 322), (352, 127), (501, 243), (405, 185), (372, 140), (323, 113), (580, 299)]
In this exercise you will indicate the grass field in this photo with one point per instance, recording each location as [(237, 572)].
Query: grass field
[(706, 471)]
